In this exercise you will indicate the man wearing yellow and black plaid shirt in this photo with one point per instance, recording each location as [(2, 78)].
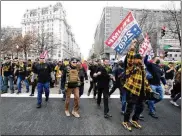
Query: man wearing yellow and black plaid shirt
[(136, 87)]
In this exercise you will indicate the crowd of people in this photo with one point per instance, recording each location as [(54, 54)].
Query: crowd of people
[(139, 80)]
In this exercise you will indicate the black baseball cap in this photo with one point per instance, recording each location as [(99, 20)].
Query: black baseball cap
[(137, 56)]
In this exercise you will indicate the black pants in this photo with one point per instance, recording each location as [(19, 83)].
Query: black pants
[(34, 84), (115, 86), (176, 90), (105, 92), (81, 90), (133, 100), (94, 87)]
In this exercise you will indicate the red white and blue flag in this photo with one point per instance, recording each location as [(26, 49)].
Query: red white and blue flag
[(122, 36)]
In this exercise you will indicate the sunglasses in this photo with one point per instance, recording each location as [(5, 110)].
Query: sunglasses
[(74, 62), (41, 58)]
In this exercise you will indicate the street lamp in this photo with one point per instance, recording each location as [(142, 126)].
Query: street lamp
[(17, 47)]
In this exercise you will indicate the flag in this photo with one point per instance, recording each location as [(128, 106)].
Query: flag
[(145, 47), (44, 54), (122, 36)]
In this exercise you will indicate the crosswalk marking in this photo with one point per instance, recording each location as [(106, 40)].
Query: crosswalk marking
[(59, 96)]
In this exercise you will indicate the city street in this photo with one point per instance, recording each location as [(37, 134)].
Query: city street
[(20, 116)]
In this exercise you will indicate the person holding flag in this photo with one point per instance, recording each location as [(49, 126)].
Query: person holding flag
[(136, 87)]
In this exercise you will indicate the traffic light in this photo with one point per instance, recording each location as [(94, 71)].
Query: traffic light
[(163, 32), (165, 54)]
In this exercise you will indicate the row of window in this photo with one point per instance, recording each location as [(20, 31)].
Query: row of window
[(44, 12), (175, 55), (43, 18)]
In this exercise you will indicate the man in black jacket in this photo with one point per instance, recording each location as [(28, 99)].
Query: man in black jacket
[(103, 78), (43, 70), (93, 69)]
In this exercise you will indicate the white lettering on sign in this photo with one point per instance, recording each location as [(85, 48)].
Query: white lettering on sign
[(120, 28)]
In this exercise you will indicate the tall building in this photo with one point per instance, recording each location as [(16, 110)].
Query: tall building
[(49, 24), (150, 21)]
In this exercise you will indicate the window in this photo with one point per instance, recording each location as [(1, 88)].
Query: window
[(175, 55), (170, 55)]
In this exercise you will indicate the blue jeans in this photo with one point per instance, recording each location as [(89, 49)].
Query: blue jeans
[(40, 88), (1, 84), (10, 78), (62, 87), (123, 107), (151, 103), (19, 79)]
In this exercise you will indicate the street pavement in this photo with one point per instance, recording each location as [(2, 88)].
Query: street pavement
[(19, 116)]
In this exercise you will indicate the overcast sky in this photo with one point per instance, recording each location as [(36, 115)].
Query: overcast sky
[(83, 16)]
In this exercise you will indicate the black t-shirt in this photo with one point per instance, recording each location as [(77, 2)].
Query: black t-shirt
[(169, 75)]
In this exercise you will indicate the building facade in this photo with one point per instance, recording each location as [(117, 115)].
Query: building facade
[(150, 21), (51, 26)]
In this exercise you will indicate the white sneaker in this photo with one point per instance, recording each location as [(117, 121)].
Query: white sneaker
[(67, 113), (75, 114), (174, 103)]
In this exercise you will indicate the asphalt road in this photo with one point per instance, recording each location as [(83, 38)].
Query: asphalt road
[(19, 116)]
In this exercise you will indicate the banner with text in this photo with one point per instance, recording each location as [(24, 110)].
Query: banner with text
[(122, 36), (145, 47)]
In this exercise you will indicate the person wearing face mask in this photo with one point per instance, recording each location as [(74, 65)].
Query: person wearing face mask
[(155, 83), (136, 87)]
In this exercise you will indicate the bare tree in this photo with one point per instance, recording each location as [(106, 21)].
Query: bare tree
[(24, 43), (43, 41), (172, 17), (147, 25)]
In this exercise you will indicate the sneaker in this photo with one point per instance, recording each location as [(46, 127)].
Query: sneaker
[(107, 115), (27, 91), (63, 99), (141, 116), (153, 115), (88, 94), (46, 99), (12, 92), (18, 92), (135, 124), (31, 95), (127, 126), (122, 112), (174, 103), (3, 92), (75, 114), (67, 113), (38, 105)]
